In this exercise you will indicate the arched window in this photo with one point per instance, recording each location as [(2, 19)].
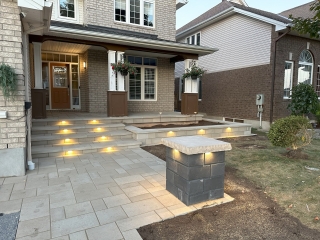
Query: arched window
[(305, 69)]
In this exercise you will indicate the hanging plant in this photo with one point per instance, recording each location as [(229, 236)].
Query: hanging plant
[(8, 81), (124, 68), (194, 72)]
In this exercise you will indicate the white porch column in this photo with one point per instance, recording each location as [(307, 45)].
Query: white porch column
[(120, 78), (190, 86), (112, 75), (37, 65)]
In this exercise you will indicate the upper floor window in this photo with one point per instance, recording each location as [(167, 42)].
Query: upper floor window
[(305, 69), (194, 39), (67, 8), (139, 12)]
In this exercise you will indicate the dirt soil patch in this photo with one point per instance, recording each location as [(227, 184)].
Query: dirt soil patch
[(252, 215), (177, 125)]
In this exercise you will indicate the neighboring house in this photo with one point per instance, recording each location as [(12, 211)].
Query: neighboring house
[(62, 51), (243, 66)]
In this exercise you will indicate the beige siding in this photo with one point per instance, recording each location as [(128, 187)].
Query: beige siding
[(79, 13), (242, 42)]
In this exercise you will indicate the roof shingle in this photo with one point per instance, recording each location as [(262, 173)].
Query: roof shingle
[(300, 11)]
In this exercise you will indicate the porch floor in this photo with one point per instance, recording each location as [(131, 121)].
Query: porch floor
[(92, 196), (85, 115)]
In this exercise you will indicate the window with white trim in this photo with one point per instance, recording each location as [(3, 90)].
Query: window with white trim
[(194, 39), (305, 69), (138, 12), (67, 9), (143, 85), (288, 76), (318, 82)]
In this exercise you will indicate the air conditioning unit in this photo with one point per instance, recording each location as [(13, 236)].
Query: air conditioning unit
[(3, 114)]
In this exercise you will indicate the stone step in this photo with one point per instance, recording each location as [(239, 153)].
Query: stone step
[(78, 149), (68, 129), (76, 138)]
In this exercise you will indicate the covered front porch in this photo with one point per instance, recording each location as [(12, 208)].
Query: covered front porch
[(75, 73)]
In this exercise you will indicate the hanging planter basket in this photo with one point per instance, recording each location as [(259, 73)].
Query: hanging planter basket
[(8, 81), (194, 72), (194, 77), (123, 68), (124, 73)]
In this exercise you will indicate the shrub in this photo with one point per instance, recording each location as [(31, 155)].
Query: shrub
[(291, 132), (304, 100), (8, 81), (317, 114)]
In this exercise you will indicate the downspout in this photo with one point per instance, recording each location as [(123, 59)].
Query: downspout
[(273, 77), (31, 164)]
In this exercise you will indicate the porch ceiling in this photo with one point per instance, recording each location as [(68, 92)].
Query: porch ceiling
[(54, 46)]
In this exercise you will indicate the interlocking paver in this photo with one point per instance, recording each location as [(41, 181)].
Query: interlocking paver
[(129, 179), (116, 200), (54, 189), (78, 236), (14, 179), (115, 190), (78, 209), (34, 226), (131, 235), (58, 181), (61, 199), (34, 207), (111, 215), (138, 221), (57, 214), (135, 191), (144, 206), (92, 195), (164, 213), (20, 194), (84, 188), (141, 197), (75, 224), (98, 205), (10, 206), (111, 230), (5, 191), (19, 186), (37, 236)]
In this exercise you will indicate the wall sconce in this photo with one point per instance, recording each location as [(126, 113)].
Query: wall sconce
[(85, 65)]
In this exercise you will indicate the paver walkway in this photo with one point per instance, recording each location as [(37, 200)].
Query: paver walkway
[(93, 196)]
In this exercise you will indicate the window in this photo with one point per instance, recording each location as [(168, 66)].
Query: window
[(305, 69), (142, 85), (67, 8), (138, 12), (194, 39), (318, 82), (288, 73)]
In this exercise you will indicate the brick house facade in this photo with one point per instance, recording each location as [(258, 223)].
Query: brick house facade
[(62, 56), (243, 66)]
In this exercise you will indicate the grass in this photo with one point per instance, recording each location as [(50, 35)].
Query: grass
[(285, 180)]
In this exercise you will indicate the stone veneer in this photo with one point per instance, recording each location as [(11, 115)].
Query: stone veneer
[(13, 129)]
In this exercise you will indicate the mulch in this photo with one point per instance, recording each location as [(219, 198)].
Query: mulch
[(252, 215), (172, 125)]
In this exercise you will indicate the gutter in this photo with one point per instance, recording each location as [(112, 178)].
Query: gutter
[(131, 41), (273, 77)]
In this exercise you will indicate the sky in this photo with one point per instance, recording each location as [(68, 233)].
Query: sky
[(196, 7)]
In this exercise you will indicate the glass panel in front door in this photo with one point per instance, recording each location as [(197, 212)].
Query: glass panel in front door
[(60, 77)]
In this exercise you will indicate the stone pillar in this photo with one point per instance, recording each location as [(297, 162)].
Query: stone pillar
[(112, 75), (195, 168), (37, 65), (120, 78)]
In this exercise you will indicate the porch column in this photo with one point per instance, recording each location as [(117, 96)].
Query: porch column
[(37, 65), (112, 75), (189, 99), (120, 78)]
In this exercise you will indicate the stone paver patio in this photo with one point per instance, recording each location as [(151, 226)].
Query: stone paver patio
[(92, 196)]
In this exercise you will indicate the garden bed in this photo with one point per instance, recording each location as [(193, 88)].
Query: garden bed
[(176, 125), (273, 195)]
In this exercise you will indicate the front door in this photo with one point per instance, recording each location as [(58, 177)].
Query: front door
[(60, 87)]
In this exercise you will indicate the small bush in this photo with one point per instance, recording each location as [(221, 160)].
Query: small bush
[(291, 132), (317, 114)]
